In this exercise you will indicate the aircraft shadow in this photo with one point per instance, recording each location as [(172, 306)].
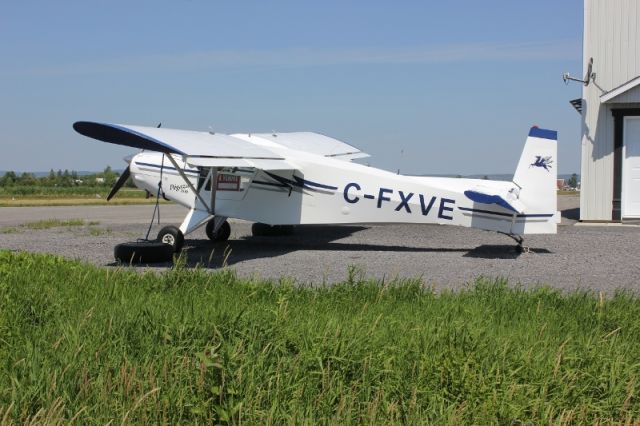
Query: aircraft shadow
[(486, 251), (204, 253), (319, 238)]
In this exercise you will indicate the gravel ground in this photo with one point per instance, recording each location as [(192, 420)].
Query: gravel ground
[(600, 258)]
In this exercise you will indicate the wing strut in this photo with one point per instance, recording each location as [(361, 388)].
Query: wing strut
[(188, 182), (214, 189)]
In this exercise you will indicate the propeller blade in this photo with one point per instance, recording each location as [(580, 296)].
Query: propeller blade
[(121, 180)]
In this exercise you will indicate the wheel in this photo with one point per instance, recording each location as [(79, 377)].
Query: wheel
[(264, 230), (172, 236), (143, 252), (222, 234)]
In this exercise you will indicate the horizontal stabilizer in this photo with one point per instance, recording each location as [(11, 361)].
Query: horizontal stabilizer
[(484, 198)]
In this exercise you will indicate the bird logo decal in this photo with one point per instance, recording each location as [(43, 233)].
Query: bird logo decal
[(544, 162)]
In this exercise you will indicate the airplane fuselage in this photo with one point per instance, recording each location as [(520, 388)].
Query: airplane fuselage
[(333, 191)]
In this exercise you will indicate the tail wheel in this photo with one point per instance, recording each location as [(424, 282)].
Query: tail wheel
[(173, 236), (222, 234)]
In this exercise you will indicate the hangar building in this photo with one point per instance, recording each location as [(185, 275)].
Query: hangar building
[(610, 110)]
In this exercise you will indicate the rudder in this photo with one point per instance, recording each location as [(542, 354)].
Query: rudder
[(537, 172)]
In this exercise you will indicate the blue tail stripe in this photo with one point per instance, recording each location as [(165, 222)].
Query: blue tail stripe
[(543, 133)]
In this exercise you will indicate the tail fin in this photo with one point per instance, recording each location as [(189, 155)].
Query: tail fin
[(537, 172)]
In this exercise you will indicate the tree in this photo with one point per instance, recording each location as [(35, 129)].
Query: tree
[(27, 179), (9, 179), (573, 181), (109, 176)]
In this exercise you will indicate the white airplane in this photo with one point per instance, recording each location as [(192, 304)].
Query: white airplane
[(284, 179)]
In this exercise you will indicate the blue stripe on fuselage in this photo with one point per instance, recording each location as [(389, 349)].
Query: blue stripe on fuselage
[(298, 182), (158, 166)]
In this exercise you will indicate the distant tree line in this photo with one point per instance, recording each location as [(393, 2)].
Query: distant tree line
[(63, 179)]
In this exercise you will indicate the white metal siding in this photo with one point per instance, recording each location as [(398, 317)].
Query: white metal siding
[(632, 96), (612, 39)]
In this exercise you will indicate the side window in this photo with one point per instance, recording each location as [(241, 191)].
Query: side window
[(202, 177)]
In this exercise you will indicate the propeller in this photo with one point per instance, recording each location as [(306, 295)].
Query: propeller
[(125, 175), (121, 180)]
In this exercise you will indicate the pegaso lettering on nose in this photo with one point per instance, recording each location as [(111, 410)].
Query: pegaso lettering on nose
[(384, 195)]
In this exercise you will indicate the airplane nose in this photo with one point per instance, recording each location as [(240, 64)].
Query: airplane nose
[(129, 158)]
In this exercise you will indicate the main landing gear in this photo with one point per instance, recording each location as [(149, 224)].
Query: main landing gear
[(222, 234), (170, 240), (174, 237)]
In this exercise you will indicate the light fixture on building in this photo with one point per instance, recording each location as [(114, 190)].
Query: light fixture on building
[(590, 76)]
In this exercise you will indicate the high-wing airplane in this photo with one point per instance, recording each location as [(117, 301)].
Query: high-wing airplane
[(284, 179)]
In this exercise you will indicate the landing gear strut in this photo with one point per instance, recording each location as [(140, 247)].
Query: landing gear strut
[(519, 248)]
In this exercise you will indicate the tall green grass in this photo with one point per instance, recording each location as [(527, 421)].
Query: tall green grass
[(93, 345)]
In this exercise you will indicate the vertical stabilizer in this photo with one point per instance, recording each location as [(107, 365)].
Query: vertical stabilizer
[(537, 172)]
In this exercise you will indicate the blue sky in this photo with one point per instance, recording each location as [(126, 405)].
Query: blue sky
[(427, 87)]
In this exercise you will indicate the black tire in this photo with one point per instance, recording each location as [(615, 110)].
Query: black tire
[(264, 230), (172, 236), (143, 252), (223, 232)]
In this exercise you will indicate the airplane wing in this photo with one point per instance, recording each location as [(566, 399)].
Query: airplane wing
[(202, 149), (314, 143)]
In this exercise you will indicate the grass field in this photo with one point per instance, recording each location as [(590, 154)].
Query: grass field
[(42, 202), (48, 224), (66, 192), (95, 345), (29, 196)]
